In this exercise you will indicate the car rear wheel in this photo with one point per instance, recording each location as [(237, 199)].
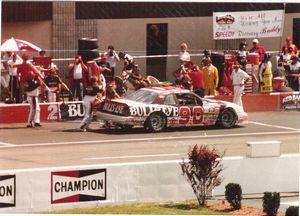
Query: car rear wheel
[(227, 118), (156, 122)]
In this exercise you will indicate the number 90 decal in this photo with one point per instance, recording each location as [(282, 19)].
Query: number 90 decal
[(191, 115)]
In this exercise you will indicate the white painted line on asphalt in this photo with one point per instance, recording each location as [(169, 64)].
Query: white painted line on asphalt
[(148, 139), (107, 165), (6, 144), (131, 156), (274, 126), (292, 203)]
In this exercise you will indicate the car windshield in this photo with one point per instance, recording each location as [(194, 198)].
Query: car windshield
[(142, 95)]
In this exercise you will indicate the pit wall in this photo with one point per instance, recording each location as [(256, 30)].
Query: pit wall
[(50, 189), (18, 113)]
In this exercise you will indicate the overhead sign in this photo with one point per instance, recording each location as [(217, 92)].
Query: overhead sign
[(7, 191), (78, 186), (248, 24)]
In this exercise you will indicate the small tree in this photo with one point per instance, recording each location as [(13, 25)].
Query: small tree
[(233, 194), (271, 203), (202, 171)]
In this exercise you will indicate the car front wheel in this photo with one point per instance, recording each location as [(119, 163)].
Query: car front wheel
[(156, 122), (227, 118)]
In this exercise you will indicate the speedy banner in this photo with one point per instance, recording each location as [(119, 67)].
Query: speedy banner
[(78, 186), (248, 24)]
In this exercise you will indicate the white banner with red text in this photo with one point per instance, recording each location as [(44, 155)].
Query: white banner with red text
[(248, 24)]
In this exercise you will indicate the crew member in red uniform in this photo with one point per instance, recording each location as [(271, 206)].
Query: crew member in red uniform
[(23, 71), (258, 49), (197, 79), (78, 78), (31, 86)]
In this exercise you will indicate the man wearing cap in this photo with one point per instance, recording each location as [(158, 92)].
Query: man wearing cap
[(293, 74), (289, 47), (239, 78), (258, 49), (78, 78)]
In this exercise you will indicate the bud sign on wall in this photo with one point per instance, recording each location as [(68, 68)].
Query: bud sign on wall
[(248, 24)]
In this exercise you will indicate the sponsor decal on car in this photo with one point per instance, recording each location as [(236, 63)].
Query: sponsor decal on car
[(78, 186), (7, 191)]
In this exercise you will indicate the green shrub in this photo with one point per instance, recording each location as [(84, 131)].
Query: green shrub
[(292, 211), (233, 194), (271, 203)]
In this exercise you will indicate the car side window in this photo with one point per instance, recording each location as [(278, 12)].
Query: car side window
[(188, 100), (170, 100)]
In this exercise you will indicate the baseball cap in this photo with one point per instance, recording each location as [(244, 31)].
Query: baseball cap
[(255, 41)]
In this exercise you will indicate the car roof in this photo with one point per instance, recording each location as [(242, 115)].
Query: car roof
[(167, 89)]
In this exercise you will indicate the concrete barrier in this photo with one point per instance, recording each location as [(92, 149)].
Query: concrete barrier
[(48, 189), (263, 149)]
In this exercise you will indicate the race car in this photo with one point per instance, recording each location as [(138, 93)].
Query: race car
[(156, 108)]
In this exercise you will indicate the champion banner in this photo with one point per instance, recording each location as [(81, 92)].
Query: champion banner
[(245, 24)]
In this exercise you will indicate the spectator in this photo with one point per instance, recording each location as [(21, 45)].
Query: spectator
[(289, 47), (112, 58), (78, 72), (104, 67), (54, 83), (239, 78), (242, 54), (5, 83), (265, 75), (31, 86), (197, 78), (211, 77), (293, 74), (91, 91), (258, 49), (128, 62), (14, 80), (184, 56)]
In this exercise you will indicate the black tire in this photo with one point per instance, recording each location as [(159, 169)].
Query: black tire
[(227, 118), (156, 122)]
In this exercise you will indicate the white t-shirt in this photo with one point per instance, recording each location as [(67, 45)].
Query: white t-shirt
[(184, 56), (111, 59), (13, 70), (239, 77), (77, 71)]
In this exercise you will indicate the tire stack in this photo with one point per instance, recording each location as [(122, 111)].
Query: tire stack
[(88, 49)]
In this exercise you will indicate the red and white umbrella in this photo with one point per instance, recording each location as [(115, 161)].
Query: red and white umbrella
[(15, 45)]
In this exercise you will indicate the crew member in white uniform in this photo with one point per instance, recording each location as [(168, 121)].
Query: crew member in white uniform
[(239, 78)]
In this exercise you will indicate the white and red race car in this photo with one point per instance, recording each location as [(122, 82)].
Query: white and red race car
[(156, 108)]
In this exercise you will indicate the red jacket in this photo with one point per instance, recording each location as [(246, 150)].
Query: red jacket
[(260, 50), (85, 74), (197, 79), (23, 71)]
